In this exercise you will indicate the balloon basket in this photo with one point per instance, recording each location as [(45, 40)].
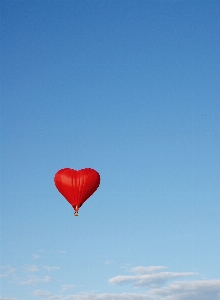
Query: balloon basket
[(76, 213)]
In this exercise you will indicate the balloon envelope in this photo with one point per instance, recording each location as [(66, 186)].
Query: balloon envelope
[(77, 186)]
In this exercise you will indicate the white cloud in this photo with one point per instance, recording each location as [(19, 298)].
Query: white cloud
[(145, 270), (190, 290), (92, 296), (194, 290), (66, 287), (105, 296), (33, 280), (126, 266), (50, 269), (6, 271), (161, 286), (148, 277), (109, 262), (6, 298), (31, 268), (35, 256), (46, 295)]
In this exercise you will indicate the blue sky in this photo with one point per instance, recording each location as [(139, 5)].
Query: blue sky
[(131, 89)]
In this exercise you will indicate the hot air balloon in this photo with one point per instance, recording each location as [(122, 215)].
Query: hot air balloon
[(77, 186)]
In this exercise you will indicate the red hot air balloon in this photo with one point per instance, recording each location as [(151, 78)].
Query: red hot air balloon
[(77, 186)]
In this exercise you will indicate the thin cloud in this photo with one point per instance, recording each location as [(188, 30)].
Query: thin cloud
[(3, 298), (33, 280), (187, 290), (31, 268), (46, 295), (7, 271), (192, 290), (155, 279), (148, 277), (91, 296), (66, 287), (126, 267), (36, 256), (146, 270), (109, 262), (50, 269)]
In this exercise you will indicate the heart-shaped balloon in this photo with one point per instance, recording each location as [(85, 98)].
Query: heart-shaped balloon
[(77, 186)]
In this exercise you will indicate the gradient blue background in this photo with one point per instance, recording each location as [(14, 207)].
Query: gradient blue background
[(131, 89)]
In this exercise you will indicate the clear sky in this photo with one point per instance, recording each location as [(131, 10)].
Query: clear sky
[(131, 89)]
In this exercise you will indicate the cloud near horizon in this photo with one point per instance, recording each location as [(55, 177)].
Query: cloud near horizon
[(190, 290), (160, 285), (156, 282), (3, 298), (148, 277), (198, 290)]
